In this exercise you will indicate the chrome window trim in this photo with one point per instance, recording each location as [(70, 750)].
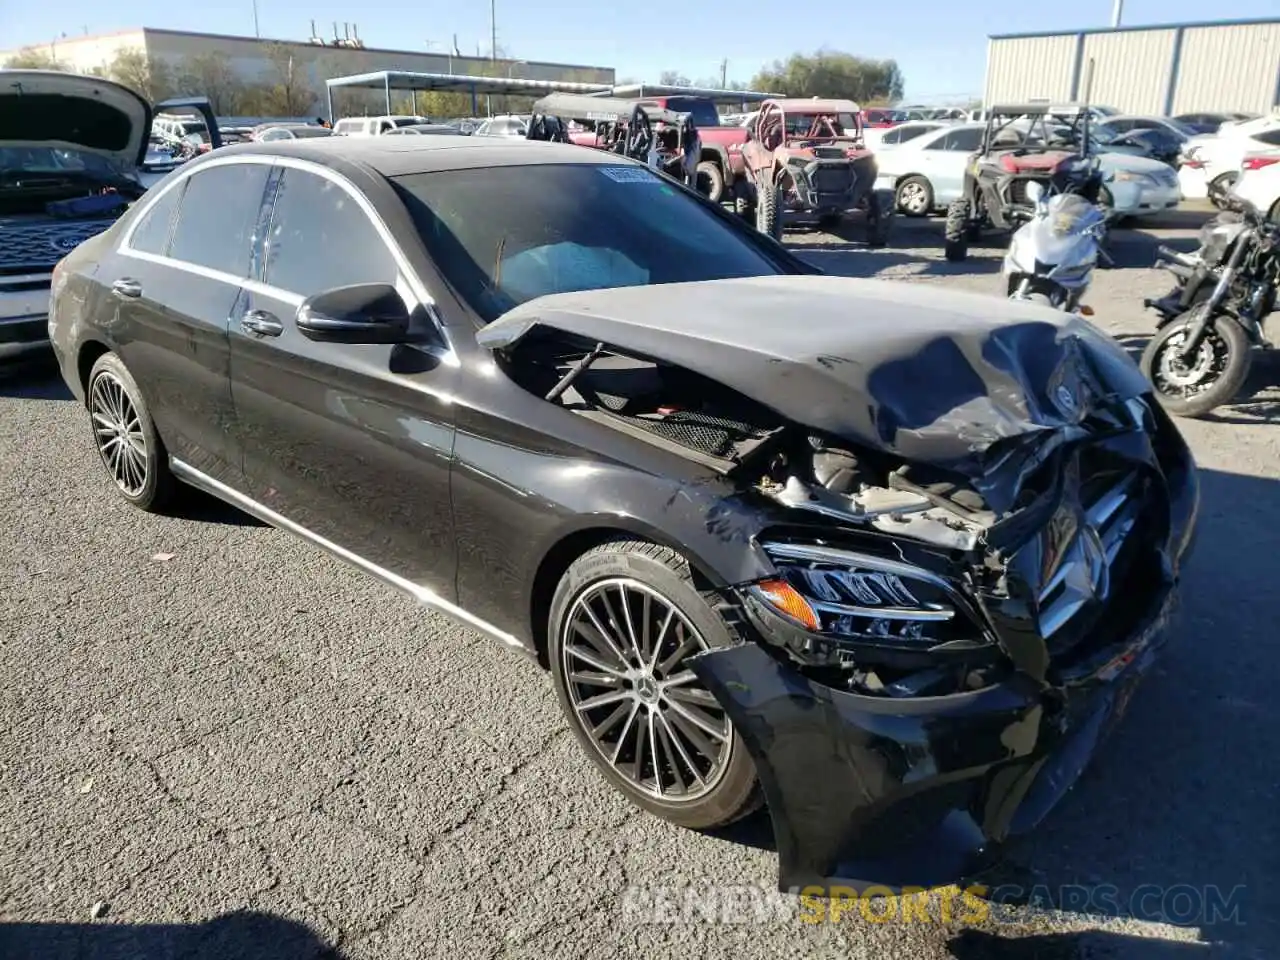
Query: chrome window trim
[(406, 273)]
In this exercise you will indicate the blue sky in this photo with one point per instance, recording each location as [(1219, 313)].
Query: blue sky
[(940, 44)]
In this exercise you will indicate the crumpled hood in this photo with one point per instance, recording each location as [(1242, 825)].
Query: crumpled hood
[(49, 108), (932, 375)]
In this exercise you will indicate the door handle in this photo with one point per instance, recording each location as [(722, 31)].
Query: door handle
[(262, 323), (127, 287)]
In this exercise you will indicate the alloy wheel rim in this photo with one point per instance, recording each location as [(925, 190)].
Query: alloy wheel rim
[(118, 431), (1177, 377), (623, 650), (913, 197)]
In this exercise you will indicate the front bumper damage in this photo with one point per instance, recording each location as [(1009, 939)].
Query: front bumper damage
[(867, 791)]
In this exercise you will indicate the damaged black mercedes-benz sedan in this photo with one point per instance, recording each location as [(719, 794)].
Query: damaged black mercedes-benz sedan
[(887, 558)]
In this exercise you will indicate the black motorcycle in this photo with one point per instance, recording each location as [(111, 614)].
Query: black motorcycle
[(1213, 317)]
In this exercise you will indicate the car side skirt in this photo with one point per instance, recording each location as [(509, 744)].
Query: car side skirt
[(428, 598)]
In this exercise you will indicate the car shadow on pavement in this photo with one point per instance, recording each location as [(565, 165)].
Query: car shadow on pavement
[(1173, 820), (1093, 944), (233, 936), (36, 378)]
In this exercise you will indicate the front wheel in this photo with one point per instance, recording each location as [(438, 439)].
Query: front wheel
[(1220, 188), (625, 619), (956, 231), (769, 210), (710, 180), (1214, 376)]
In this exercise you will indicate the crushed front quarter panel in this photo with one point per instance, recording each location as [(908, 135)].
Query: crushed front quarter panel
[(870, 791)]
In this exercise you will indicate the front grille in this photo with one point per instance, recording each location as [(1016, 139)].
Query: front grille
[(28, 246), (833, 179)]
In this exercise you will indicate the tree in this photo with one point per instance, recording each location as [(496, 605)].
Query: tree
[(830, 73), (287, 90), (132, 67), (673, 78), (33, 58), (211, 75)]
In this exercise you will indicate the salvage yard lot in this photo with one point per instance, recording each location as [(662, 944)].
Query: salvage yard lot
[(206, 715)]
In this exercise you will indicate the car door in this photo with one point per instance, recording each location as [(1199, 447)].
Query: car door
[(175, 283), (950, 155), (350, 441)]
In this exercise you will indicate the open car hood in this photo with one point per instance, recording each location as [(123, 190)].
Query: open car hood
[(49, 108), (954, 380)]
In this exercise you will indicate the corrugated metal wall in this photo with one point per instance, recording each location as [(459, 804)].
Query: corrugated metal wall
[(1228, 68), (1167, 69), (1024, 67), (1130, 70)]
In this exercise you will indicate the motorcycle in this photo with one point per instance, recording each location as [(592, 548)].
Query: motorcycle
[(1051, 257), (1213, 317)]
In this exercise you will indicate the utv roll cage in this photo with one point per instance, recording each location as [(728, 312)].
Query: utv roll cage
[(638, 129), (1040, 127)]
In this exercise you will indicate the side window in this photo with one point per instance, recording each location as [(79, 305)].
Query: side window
[(384, 126), (218, 214), (1268, 136), (320, 238), (893, 136), (939, 142), (965, 141), (151, 235)]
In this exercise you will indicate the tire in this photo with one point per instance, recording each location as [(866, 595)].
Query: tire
[(125, 436), (829, 221), (1238, 360), (956, 232), (1220, 186), (744, 207), (708, 173), (914, 197), (769, 211), (879, 222), (1107, 203), (643, 569), (1274, 214)]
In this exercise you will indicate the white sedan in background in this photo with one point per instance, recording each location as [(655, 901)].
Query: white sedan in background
[(927, 173), (1259, 183), (1211, 163)]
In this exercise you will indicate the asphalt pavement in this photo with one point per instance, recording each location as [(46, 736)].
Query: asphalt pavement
[(216, 741)]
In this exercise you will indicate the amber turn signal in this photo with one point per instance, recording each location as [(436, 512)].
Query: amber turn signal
[(787, 600), (1085, 310)]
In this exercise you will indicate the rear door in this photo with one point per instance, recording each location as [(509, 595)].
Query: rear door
[(174, 283), (950, 155), (351, 441)]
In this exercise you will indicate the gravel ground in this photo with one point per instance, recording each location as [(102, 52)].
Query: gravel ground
[(218, 742)]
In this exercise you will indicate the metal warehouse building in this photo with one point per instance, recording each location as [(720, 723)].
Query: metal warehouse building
[(1165, 69)]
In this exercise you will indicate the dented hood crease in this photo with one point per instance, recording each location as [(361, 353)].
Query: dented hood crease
[(956, 380)]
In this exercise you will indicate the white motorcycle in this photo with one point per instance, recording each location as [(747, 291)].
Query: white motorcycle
[(1051, 257)]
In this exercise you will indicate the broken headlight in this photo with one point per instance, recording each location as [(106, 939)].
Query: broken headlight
[(859, 605)]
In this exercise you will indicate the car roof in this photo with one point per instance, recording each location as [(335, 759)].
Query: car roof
[(398, 156)]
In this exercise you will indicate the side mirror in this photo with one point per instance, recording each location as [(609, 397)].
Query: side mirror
[(361, 313), (1035, 192)]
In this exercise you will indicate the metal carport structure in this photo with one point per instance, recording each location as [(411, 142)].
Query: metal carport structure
[(642, 91), (389, 80)]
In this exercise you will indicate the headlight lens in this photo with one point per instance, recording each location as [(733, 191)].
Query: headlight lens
[(856, 599)]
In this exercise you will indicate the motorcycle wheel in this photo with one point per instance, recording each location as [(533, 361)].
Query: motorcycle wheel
[(1219, 370)]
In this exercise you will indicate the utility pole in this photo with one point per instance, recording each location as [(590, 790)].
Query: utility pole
[(1116, 12), (724, 73), (259, 35), (493, 29)]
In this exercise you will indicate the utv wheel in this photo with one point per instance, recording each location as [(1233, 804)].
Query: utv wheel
[(710, 180), (625, 618), (1274, 215), (126, 437), (956, 232), (878, 223), (769, 211), (914, 197), (1214, 377), (830, 221)]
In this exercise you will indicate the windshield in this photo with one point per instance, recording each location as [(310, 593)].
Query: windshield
[(55, 160), (703, 111), (1182, 128), (807, 124), (504, 235)]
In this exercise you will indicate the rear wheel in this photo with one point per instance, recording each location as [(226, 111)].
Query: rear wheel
[(914, 197), (1274, 215), (1214, 376), (710, 180), (956, 231), (126, 437), (625, 619)]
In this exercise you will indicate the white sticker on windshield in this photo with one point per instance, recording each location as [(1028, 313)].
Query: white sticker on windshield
[(629, 174)]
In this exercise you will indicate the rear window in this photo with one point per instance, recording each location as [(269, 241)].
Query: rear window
[(703, 111), (504, 235)]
